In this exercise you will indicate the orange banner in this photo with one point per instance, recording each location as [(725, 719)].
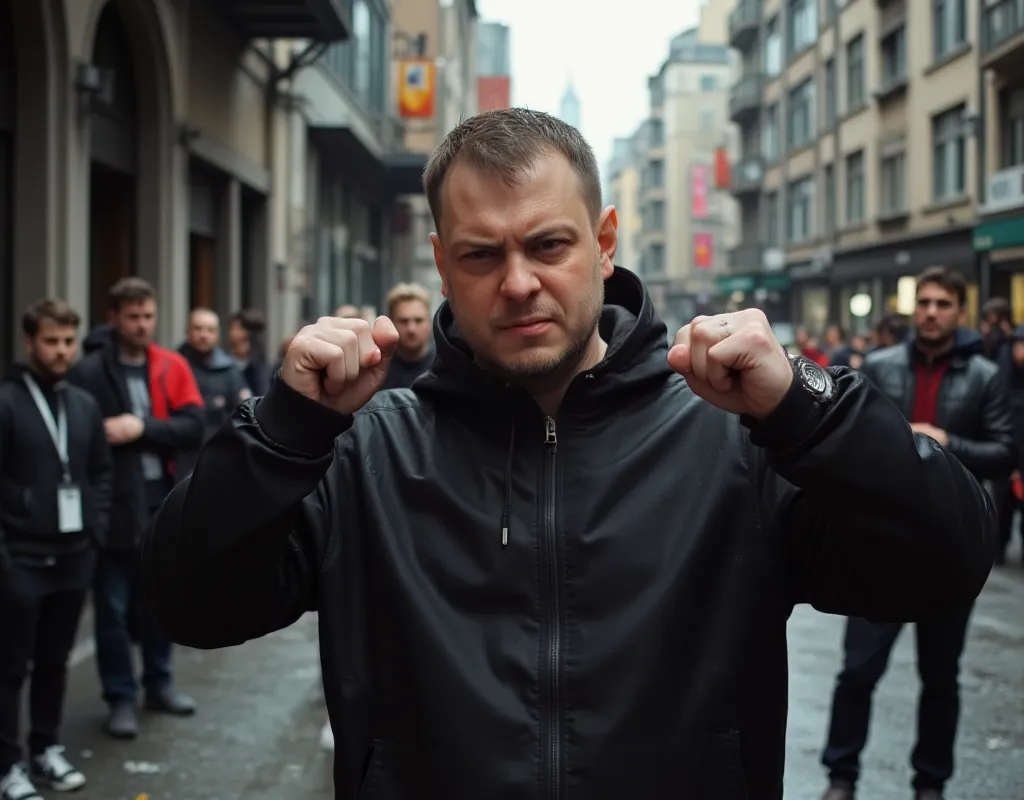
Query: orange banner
[(416, 88)]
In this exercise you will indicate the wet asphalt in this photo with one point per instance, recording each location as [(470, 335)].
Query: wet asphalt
[(256, 734)]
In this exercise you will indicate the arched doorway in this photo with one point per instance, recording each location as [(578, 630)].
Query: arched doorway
[(114, 161), (7, 86)]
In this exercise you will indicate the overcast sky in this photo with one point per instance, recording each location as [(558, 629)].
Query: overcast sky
[(608, 48)]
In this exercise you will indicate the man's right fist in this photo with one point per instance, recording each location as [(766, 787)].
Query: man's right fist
[(340, 362)]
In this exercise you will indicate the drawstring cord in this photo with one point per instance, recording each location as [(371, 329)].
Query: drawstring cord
[(506, 511)]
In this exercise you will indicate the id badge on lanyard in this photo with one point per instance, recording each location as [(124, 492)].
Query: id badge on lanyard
[(69, 494)]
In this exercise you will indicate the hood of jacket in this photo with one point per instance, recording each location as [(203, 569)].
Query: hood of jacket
[(16, 374), (218, 361), (99, 337), (636, 356)]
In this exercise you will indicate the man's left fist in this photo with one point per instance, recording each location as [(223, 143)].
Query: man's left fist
[(734, 362)]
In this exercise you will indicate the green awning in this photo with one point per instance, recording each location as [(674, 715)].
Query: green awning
[(772, 281), (999, 234)]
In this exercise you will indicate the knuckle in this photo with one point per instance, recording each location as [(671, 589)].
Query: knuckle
[(760, 339)]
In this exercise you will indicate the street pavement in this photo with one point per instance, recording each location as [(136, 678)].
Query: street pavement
[(256, 734)]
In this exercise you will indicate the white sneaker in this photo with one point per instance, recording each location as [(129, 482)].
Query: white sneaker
[(327, 736), (53, 767), (15, 785)]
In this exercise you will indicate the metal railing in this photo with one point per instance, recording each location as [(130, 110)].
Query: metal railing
[(748, 174), (747, 14), (746, 93)]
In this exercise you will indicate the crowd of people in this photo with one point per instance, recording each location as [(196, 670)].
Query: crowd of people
[(89, 448)]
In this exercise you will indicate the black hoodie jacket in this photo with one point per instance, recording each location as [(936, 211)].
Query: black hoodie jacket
[(629, 640), (30, 469)]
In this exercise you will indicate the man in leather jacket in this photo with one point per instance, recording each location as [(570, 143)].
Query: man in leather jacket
[(949, 392), (562, 564)]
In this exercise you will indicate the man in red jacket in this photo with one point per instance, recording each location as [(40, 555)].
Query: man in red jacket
[(152, 413)]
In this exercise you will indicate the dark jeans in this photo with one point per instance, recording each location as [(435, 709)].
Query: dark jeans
[(40, 608), (1006, 504), (867, 646), (123, 617)]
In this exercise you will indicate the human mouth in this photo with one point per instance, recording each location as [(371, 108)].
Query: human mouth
[(530, 327)]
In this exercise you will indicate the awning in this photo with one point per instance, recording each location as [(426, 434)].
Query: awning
[(318, 20), (385, 175), (999, 234)]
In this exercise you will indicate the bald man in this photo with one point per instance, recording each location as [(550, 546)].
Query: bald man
[(220, 381)]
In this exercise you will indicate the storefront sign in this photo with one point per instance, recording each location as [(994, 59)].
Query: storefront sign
[(1005, 190), (416, 88), (999, 235)]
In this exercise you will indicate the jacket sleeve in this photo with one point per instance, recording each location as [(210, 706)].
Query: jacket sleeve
[(234, 552), (101, 472), (183, 430), (868, 518), (993, 454)]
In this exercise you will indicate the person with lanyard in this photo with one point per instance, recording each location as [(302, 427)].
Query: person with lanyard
[(55, 472)]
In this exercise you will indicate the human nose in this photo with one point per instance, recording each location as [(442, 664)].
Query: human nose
[(520, 281)]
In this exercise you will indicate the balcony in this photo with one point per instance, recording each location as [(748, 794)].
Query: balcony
[(744, 22), (745, 98), (748, 176), (1002, 36), (746, 258), (317, 20)]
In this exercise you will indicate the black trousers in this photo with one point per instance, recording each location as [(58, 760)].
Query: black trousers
[(867, 647), (41, 602)]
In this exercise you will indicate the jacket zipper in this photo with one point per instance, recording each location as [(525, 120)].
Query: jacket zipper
[(554, 642)]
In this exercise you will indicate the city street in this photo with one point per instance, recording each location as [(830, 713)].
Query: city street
[(256, 734)]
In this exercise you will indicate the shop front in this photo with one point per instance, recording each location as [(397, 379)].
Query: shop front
[(870, 282), (999, 237), (769, 291)]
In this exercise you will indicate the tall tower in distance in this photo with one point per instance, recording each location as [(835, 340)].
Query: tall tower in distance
[(569, 109)]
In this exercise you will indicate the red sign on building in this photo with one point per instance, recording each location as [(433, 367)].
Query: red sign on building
[(703, 250), (493, 92), (699, 187)]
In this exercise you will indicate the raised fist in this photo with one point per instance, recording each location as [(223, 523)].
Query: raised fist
[(340, 362)]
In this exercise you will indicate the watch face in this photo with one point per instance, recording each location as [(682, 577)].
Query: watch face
[(815, 378)]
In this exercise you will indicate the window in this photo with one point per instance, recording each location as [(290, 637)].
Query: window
[(799, 210), (855, 72), (830, 198), (894, 184), (360, 62), (657, 172), (1013, 129), (771, 219), (830, 94), (770, 144), (708, 83), (707, 120), (803, 25), (894, 57), (950, 152), (855, 187), (772, 48), (950, 25), (656, 258), (657, 218), (801, 114), (657, 133)]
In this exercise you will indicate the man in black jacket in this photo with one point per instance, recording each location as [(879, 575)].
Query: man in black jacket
[(948, 391), (557, 568), (153, 419), (55, 470)]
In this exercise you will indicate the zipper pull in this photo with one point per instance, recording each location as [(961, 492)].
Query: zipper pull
[(549, 432)]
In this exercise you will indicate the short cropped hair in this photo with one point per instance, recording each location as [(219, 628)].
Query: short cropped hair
[(504, 144), (51, 308), (128, 291), (404, 292), (952, 282)]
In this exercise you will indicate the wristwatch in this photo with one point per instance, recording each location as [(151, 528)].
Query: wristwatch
[(812, 378)]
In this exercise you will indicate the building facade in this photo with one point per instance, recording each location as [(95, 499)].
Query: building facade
[(494, 66), (688, 223), (236, 155), (622, 190), (861, 137), (999, 234)]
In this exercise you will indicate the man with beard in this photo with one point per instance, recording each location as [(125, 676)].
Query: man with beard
[(55, 469), (562, 563), (949, 392), (152, 413), (409, 310)]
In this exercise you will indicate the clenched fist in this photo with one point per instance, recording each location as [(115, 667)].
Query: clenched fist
[(340, 362), (734, 362)]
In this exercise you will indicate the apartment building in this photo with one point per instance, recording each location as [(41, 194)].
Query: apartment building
[(860, 139), (622, 190), (234, 154), (445, 34), (999, 235), (687, 223)]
